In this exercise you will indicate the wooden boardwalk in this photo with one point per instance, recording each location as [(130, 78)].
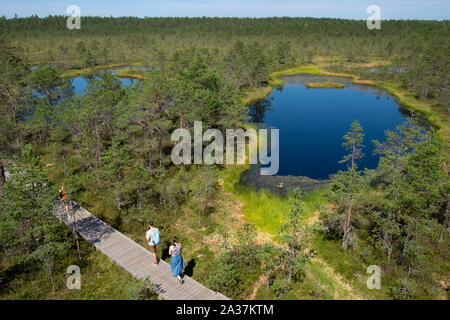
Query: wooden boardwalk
[(134, 258)]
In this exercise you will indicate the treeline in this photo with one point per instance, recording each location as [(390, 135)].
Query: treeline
[(418, 47), (135, 39), (106, 26)]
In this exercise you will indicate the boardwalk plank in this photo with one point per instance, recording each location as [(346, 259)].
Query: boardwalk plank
[(134, 258)]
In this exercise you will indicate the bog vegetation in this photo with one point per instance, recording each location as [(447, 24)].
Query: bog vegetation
[(110, 148)]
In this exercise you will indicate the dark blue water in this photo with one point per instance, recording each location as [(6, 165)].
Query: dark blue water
[(313, 121)]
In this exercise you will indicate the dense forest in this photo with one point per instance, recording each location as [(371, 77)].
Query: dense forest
[(110, 148), (419, 47)]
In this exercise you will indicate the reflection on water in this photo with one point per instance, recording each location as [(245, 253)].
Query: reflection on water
[(388, 69), (257, 110), (81, 82)]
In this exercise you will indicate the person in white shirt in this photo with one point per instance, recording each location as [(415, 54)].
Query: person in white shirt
[(149, 236)]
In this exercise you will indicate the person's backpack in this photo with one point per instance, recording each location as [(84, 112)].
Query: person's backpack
[(155, 236)]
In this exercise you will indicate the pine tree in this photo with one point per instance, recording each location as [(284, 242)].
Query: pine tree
[(352, 142)]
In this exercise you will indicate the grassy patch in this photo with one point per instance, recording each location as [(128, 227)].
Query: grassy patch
[(255, 94), (131, 73), (350, 266), (326, 84), (88, 71), (364, 82), (311, 69), (267, 211), (263, 209)]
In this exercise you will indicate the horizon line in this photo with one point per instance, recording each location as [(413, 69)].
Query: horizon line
[(218, 17)]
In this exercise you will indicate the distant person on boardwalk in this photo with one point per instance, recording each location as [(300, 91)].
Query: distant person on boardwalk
[(63, 198), (152, 237), (176, 259)]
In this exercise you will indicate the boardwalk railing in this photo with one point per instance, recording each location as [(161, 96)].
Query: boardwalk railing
[(134, 258)]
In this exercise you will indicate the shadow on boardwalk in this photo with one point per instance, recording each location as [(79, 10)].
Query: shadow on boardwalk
[(93, 229)]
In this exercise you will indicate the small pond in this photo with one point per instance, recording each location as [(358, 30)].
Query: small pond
[(81, 82), (312, 122)]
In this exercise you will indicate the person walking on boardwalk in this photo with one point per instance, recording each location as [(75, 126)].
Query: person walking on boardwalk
[(63, 198), (176, 259), (152, 237)]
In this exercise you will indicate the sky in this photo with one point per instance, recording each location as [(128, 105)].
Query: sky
[(347, 9)]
